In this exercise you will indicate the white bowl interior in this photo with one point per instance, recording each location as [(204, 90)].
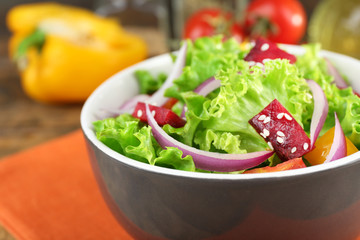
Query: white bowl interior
[(123, 85)]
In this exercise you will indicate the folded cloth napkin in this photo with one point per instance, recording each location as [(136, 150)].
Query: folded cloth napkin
[(50, 192)]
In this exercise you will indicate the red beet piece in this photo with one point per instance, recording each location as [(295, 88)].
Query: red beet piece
[(162, 115), (265, 49), (281, 131)]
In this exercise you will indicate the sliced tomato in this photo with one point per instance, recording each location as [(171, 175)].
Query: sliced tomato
[(322, 148), (161, 115), (287, 165)]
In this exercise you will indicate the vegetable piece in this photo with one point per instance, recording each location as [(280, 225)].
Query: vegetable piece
[(277, 20), (210, 22), (338, 147), (295, 163), (158, 97), (210, 161), (321, 109), (322, 148), (129, 105), (148, 84), (265, 49), (338, 79), (65, 52), (204, 89), (208, 86), (282, 132), (170, 103), (162, 115), (126, 135)]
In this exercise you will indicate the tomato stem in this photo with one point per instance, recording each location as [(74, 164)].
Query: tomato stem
[(262, 27)]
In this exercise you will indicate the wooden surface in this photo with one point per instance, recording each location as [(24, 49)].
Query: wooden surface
[(25, 123)]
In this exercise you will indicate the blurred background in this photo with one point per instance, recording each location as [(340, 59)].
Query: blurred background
[(26, 121), (124, 8)]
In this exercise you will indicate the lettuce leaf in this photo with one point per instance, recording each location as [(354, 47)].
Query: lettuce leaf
[(117, 133), (198, 112), (172, 158), (210, 140), (128, 136), (148, 83), (205, 57)]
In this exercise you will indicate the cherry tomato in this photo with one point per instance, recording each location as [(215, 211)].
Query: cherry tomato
[(212, 21), (323, 146), (281, 21), (287, 165)]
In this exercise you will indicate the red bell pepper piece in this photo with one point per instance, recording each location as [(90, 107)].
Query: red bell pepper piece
[(170, 103), (162, 115), (288, 165)]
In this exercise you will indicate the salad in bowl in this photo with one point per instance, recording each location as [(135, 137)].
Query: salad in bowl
[(239, 109)]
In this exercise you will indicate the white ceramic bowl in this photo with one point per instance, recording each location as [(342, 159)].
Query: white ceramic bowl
[(319, 202)]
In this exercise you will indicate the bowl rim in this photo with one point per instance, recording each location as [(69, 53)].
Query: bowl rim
[(347, 161)]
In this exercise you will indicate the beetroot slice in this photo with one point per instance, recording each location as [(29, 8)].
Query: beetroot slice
[(281, 131), (265, 49), (162, 115)]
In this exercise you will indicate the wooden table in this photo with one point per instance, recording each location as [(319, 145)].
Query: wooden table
[(25, 123)]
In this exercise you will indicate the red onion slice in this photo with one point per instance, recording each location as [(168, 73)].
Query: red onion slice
[(129, 105), (338, 79), (321, 109), (210, 161), (208, 86), (204, 89), (158, 98), (338, 147)]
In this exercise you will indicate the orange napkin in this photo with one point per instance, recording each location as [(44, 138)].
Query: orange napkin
[(50, 192)]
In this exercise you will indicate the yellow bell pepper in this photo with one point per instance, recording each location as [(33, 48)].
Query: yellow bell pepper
[(65, 52)]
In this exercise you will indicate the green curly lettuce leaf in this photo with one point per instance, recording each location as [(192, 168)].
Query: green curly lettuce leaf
[(204, 58), (118, 133), (128, 136), (172, 158), (210, 140), (148, 83)]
